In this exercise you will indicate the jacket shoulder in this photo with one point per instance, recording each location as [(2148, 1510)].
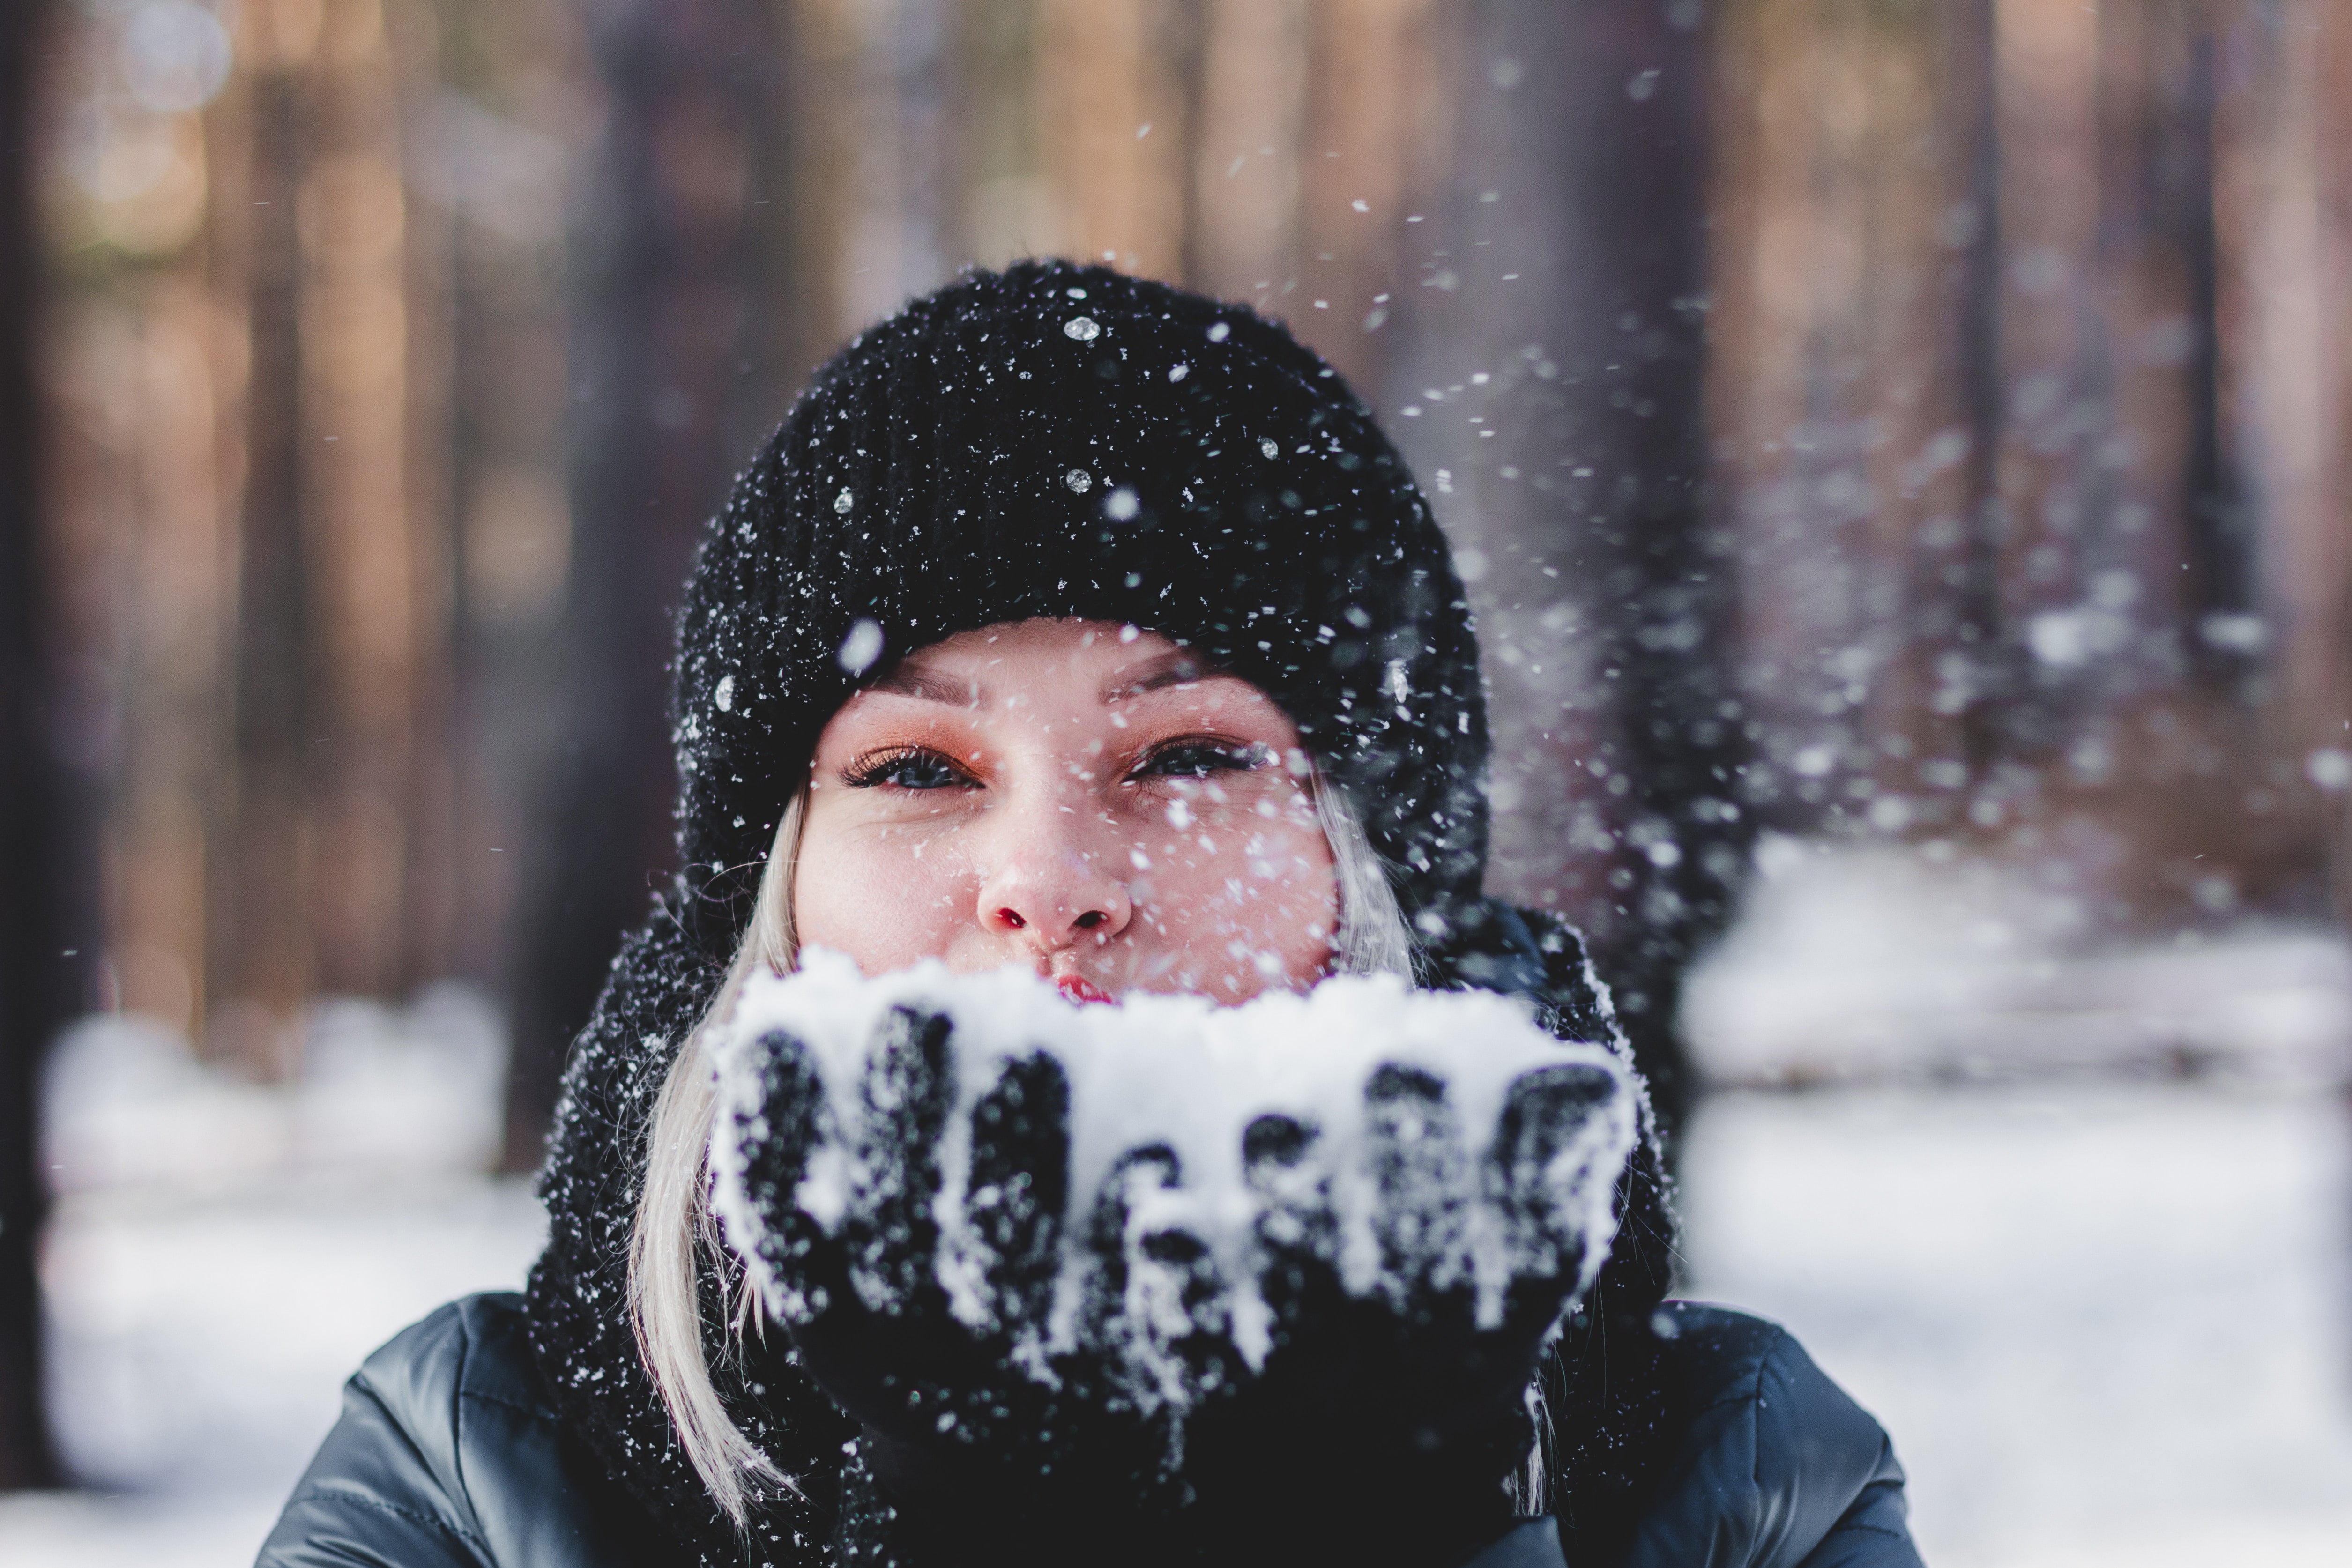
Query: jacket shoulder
[(448, 1454), (1776, 1467)]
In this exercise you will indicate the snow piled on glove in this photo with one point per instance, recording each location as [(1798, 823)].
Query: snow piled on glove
[(1417, 1141)]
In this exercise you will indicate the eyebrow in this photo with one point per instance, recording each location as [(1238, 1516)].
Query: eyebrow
[(1176, 669), (914, 681)]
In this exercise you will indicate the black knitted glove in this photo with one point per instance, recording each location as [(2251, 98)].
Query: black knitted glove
[(1318, 1339)]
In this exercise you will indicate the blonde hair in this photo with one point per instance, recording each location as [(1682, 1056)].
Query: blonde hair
[(674, 1213)]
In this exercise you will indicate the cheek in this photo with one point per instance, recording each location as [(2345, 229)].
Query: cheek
[(886, 900), (1246, 905)]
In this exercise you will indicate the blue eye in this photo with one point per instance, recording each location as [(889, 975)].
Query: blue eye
[(1201, 759), (914, 769)]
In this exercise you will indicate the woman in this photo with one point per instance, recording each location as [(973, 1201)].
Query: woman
[(1071, 621)]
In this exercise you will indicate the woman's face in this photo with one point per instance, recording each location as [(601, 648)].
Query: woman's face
[(1073, 796)]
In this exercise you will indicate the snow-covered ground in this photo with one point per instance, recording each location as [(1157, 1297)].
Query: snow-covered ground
[(199, 1346), (2075, 1219), (2106, 1314), (2107, 1324), (1866, 965), (224, 1253)]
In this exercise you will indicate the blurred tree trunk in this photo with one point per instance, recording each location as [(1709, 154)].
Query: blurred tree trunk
[(2022, 394), (673, 264), (331, 861), (2281, 221), (263, 957), (1855, 393), (39, 933), (1553, 394)]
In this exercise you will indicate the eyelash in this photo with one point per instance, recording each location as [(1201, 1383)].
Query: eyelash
[(1226, 756), (1223, 757), (869, 771)]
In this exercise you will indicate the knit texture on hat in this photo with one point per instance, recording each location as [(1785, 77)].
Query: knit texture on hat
[(1053, 440), (1068, 442)]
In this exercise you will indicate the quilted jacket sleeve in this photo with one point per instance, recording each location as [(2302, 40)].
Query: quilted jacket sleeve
[(1779, 1468), (446, 1456)]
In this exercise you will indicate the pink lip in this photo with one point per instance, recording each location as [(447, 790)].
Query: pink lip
[(1081, 991)]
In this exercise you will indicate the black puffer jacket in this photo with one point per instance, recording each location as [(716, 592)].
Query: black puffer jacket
[(451, 1455)]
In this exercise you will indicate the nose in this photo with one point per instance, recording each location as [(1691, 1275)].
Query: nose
[(1049, 889)]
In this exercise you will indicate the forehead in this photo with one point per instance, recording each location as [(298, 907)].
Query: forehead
[(1067, 667), (1047, 648), (1013, 664)]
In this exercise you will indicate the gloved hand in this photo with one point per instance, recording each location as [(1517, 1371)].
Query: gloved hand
[(1165, 1281)]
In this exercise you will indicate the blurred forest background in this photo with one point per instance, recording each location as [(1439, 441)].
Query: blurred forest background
[(1921, 428)]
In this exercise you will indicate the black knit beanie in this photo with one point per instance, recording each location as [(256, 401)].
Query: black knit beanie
[(1065, 441), (1050, 441)]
